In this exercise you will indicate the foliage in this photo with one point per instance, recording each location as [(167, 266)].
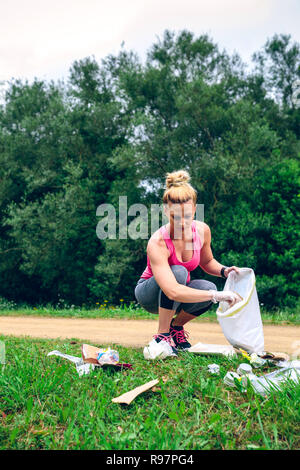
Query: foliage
[(114, 129)]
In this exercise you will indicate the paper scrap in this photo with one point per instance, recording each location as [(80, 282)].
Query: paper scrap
[(128, 397), (220, 349)]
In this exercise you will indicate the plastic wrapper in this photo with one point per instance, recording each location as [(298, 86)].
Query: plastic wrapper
[(244, 369), (81, 367), (108, 356), (274, 380), (257, 361), (230, 377), (156, 350)]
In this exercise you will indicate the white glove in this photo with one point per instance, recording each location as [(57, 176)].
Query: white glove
[(225, 295)]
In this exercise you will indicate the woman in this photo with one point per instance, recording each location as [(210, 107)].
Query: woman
[(173, 252)]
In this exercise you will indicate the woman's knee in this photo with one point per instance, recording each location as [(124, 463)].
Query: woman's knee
[(143, 300), (180, 273), (202, 284)]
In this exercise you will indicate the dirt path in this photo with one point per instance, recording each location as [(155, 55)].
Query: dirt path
[(137, 333)]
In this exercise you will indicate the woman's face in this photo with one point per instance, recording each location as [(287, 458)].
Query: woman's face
[(181, 216)]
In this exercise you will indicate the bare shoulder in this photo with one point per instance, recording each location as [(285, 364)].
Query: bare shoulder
[(157, 244), (203, 231)]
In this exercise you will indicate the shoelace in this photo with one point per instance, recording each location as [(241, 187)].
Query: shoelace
[(181, 336), (167, 338)]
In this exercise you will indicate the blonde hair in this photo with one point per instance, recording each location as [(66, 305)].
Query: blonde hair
[(178, 190)]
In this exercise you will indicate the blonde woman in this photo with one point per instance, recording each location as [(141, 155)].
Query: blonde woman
[(177, 248)]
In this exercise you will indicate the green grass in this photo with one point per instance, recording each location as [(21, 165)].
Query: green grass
[(45, 405), (133, 311)]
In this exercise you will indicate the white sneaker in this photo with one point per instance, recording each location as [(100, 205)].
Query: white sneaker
[(161, 349)]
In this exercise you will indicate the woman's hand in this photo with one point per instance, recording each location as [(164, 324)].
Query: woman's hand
[(226, 295), (232, 268)]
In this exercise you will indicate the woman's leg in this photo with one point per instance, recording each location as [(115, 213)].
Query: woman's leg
[(189, 311), (166, 306), (153, 299)]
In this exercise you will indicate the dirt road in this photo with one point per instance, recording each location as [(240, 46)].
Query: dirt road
[(137, 333)]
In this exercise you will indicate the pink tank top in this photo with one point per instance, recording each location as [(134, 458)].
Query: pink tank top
[(189, 265)]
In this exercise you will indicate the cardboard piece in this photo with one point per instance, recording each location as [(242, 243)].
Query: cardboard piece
[(128, 397), (212, 349), (90, 353), (275, 356)]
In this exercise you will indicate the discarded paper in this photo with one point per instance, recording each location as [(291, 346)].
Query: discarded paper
[(208, 349), (213, 368), (128, 397)]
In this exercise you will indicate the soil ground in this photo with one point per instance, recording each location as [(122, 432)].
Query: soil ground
[(137, 333)]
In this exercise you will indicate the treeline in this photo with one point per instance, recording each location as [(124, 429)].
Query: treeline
[(114, 129)]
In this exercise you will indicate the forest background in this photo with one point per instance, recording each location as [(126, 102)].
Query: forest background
[(114, 129)]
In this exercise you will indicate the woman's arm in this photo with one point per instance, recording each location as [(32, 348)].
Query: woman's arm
[(166, 280), (207, 261)]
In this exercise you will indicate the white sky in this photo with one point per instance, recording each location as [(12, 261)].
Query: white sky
[(42, 38)]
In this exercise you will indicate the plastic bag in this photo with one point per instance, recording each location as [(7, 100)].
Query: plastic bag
[(241, 323), (108, 356), (156, 350), (273, 381), (81, 367)]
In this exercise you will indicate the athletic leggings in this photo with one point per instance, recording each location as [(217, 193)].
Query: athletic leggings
[(150, 296)]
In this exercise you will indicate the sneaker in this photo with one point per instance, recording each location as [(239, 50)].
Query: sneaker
[(179, 337), (160, 347)]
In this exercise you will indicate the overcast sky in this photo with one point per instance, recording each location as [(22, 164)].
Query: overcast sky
[(42, 38)]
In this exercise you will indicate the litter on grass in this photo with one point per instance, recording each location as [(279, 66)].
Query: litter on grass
[(244, 369), (156, 350), (264, 358), (128, 397), (295, 363), (89, 360), (81, 367), (265, 383), (230, 377), (212, 349), (107, 357), (257, 361), (274, 380), (213, 368)]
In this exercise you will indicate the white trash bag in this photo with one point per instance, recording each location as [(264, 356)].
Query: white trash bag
[(241, 323)]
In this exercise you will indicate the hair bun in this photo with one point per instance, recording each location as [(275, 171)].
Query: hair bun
[(177, 178)]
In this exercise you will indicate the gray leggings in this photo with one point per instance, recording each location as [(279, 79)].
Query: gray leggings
[(150, 296)]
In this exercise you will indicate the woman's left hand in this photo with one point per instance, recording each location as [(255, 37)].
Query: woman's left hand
[(232, 268)]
